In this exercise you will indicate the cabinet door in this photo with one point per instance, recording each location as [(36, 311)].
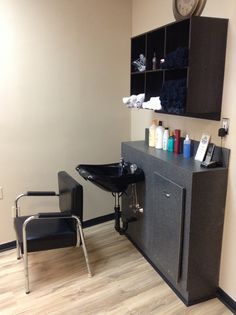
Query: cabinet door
[(168, 215)]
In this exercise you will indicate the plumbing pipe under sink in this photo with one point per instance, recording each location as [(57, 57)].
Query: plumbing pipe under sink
[(115, 178)]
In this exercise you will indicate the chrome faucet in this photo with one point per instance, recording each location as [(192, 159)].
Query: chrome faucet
[(122, 162)]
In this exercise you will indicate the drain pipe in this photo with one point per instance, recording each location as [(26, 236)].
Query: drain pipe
[(118, 228), (118, 218)]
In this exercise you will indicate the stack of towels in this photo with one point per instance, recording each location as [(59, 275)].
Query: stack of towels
[(153, 103), (173, 96), (134, 100), (137, 101), (176, 59)]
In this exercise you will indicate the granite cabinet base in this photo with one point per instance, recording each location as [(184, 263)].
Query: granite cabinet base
[(182, 295), (180, 230)]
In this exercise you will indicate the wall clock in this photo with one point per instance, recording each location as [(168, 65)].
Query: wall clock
[(183, 9)]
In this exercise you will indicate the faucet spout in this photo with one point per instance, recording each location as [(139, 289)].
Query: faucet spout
[(122, 162)]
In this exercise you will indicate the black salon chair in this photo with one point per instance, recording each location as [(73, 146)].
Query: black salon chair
[(44, 231)]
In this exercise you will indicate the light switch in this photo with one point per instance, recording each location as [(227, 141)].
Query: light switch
[(1, 193)]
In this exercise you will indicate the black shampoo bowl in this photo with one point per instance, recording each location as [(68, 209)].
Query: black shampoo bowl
[(114, 177)]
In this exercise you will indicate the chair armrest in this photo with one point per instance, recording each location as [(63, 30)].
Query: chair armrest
[(44, 215), (41, 193), (33, 193)]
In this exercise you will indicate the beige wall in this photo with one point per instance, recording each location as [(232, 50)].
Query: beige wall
[(150, 14), (64, 69)]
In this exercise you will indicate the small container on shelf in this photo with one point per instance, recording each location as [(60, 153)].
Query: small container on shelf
[(170, 143), (159, 136), (187, 147), (165, 138), (154, 62), (152, 133), (177, 141)]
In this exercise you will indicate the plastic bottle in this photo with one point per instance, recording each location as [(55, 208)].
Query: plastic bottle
[(154, 62), (159, 136), (152, 134), (165, 138), (171, 141), (177, 141), (187, 147)]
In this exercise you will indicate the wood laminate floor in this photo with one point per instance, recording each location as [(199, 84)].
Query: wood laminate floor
[(123, 282)]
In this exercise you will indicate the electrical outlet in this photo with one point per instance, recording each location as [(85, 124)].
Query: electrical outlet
[(1, 193), (225, 124)]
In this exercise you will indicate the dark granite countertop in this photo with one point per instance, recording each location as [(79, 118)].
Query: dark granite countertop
[(177, 159)]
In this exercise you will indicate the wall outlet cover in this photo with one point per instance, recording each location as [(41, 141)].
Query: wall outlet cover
[(225, 124)]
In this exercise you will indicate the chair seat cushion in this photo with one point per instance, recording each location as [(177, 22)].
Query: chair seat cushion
[(44, 234)]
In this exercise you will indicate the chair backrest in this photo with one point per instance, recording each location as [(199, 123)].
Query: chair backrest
[(70, 194)]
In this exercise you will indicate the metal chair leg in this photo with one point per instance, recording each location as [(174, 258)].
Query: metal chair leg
[(79, 225), (85, 250), (25, 254), (18, 251), (79, 242), (25, 258), (80, 238)]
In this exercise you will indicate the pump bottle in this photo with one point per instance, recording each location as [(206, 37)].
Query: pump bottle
[(187, 147)]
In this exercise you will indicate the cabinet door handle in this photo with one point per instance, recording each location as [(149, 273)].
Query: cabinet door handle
[(167, 195)]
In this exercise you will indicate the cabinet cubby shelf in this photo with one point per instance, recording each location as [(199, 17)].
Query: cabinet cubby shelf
[(158, 70), (138, 72), (204, 38)]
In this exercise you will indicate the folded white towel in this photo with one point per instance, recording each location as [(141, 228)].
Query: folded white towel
[(126, 100), (153, 103), (134, 100), (140, 100)]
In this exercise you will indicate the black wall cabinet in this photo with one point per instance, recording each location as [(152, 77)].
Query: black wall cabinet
[(200, 73)]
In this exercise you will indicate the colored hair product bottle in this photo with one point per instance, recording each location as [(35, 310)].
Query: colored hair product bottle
[(177, 141), (187, 147), (170, 143)]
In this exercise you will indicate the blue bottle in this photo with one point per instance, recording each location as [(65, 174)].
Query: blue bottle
[(187, 147)]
